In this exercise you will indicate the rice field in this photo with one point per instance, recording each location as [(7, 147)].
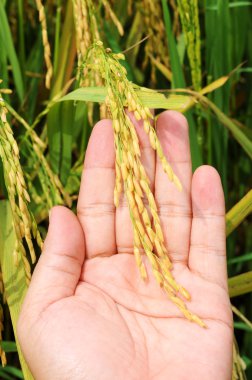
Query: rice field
[(64, 65)]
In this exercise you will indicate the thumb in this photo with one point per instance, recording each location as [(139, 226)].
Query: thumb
[(59, 267)]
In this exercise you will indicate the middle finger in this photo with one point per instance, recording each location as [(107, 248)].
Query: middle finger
[(174, 207)]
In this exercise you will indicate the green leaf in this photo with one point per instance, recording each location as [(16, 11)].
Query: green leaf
[(149, 98), (8, 346), (179, 82), (242, 326), (87, 94), (4, 375), (13, 276), (34, 63), (7, 42), (240, 259), (14, 371), (235, 4), (214, 85), (245, 70), (237, 132), (59, 132), (177, 72), (218, 39), (240, 284), (238, 213), (67, 122)]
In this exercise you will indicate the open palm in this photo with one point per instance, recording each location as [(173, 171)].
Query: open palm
[(88, 315)]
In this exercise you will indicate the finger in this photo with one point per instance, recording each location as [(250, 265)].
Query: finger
[(59, 267), (96, 210), (124, 231), (174, 206), (207, 256)]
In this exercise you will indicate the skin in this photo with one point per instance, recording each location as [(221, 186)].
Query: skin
[(89, 316)]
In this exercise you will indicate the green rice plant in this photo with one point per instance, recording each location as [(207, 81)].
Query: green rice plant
[(184, 51)]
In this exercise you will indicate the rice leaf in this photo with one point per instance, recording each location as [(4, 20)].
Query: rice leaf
[(234, 4), (214, 85), (55, 125), (240, 284), (4, 375), (179, 81), (240, 259), (7, 42), (34, 63), (218, 44), (149, 98), (237, 132), (14, 290), (238, 213), (66, 121), (13, 371), (242, 326), (177, 72), (9, 346)]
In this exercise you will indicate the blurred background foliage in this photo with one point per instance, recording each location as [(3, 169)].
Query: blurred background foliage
[(167, 45)]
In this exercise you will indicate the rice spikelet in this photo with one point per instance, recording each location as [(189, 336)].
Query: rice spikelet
[(24, 223), (47, 49), (189, 15), (131, 175)]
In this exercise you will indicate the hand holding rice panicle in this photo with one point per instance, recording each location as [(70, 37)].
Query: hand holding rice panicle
[(131, 176)]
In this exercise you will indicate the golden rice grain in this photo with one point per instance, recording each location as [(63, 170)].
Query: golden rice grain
[(147, 229)]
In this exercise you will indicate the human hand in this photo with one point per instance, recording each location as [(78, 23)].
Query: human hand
[(89, 316)]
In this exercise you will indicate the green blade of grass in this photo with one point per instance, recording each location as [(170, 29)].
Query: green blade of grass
[(7, 43), (59, 129), (238, 213), (21, 35), (8, 346), (237, 132), (4, 375), (57, 36), (149, 98), (34, 63), (4, 72), (134, 34), (240, 259), (13, 371), (242, 326), (240, 284), (177, 72), (67, 121), (178, 81), (13, 276), (234, 4), (218, 62)]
